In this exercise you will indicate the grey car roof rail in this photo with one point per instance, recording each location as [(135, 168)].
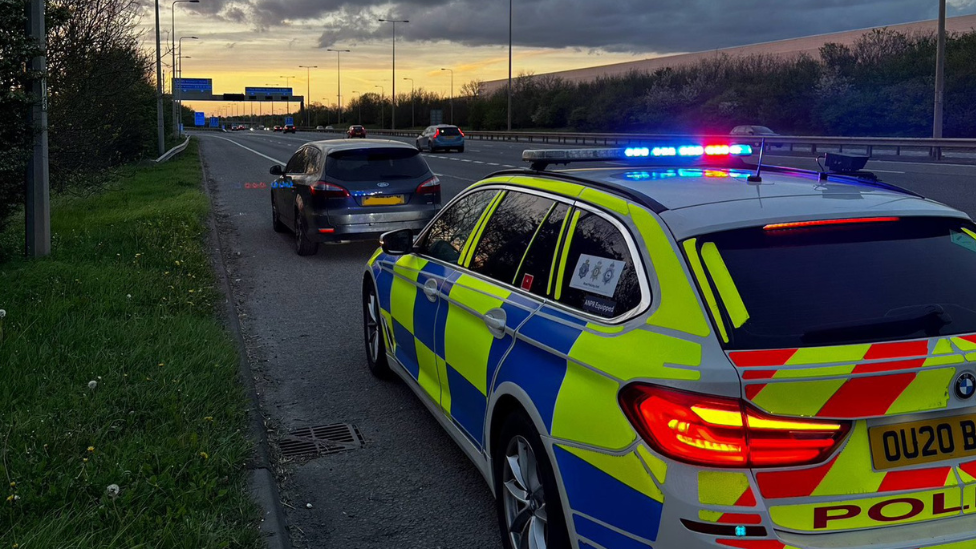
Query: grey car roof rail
[(623, 192), (867, 178)]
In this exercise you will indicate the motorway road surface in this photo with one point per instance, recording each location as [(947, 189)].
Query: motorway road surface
[(410, 486)]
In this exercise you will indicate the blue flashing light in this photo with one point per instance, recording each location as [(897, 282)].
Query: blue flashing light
[(632, 152), (664, 151), (740, 150), (740, 531), (691, 150)]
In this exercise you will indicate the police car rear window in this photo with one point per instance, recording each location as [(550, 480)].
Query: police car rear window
[(449, 131), (847, 283)]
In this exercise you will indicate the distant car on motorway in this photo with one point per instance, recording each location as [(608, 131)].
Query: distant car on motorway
[(288, 129), (339, 190), (319, 127), (675, 351), (759, 131), (329, 128), (356, 131), (441, 137)]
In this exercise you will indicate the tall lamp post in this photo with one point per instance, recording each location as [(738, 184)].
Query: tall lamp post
[(308, 90), (509, 65), (172, 35), (178, 69), (287, 101), (452, 93), (413, 99), (393, 97), (382, 96), (159, 90), (939, 72), (339, 80)]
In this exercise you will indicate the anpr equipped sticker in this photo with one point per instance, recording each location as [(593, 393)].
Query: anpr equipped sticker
[(598, 275)]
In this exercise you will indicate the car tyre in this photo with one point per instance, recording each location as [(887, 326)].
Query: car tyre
[(376, 359), (528, 504), (303, 245), (279, 227), (430, 147), (460, 149)]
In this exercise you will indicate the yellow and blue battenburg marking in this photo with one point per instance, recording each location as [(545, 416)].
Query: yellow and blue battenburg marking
[(572, 370)]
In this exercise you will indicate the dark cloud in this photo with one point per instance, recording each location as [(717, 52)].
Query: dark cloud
[(660, 26)]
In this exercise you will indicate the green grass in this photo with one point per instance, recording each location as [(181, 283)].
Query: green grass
[(127, 300)]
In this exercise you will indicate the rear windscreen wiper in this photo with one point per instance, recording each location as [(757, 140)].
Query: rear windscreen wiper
[(930, 318)]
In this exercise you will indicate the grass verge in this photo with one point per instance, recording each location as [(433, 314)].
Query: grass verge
[(115, 372)]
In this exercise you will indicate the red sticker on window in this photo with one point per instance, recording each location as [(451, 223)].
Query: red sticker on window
[(527, 282)]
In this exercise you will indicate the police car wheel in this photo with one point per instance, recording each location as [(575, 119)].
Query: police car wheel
[(373, 333), (303, 245), (279, 227), (530, 512)]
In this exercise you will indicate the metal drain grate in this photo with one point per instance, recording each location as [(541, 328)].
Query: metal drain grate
[(321, 440)]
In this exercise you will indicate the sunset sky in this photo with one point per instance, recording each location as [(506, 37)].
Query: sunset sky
[(256, 42)]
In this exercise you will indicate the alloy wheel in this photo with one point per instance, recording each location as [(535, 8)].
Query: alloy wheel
[(524, 497)]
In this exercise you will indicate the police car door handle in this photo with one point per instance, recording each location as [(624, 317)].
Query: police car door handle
[(430, 289), (495, 319)]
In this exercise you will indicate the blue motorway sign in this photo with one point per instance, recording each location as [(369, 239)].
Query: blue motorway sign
[(199, 119), (214, 122), (193, 85), (268, 91), (289, 121)]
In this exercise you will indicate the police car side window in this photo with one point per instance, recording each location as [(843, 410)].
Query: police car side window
[(599, 276), (533, 275), (447, 235), (507, 235), (313, 162)]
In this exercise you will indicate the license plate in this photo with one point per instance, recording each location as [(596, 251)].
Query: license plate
[(388, 200), (904, 444)]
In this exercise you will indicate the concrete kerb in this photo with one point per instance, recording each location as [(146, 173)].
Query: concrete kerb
[(261, 483)]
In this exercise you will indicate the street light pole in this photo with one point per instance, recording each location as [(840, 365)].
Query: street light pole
[(382, 96), (37, 206), (413, 99), (393, 97), (179, 63), (287, 101), (172, 36), (159, 91), (308, 90), (339, 80), (509, 65), (452, 93), (940, 73)]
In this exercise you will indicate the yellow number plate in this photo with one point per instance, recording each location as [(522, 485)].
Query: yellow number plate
[(904, 444), (389, 200)]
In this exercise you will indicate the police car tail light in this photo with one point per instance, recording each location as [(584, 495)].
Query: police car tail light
[(725, 432), (431, 186), (328, 190)]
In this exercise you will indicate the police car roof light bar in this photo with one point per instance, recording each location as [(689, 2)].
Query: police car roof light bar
[(540, 159)]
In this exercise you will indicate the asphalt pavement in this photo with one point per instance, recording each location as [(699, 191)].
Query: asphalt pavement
[(409, 486)]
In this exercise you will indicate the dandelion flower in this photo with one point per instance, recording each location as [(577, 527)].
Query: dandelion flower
[(308, 505), (92, 384), (208, 418), (204, 455), (3, 313), (91, 448), (84, 460), (128, 296), (113, 490), (14, 484)]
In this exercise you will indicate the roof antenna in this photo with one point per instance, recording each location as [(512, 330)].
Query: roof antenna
[(757, 177)]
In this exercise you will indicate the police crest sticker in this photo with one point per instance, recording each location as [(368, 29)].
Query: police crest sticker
[(598, 275)]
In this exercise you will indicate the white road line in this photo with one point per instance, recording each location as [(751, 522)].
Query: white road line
[(463, 160), (275, 160), (884, 171), (477, 162), (508, 165), (454, 177), (493, 164)]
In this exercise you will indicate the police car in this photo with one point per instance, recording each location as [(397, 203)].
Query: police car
[(665, 353)]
